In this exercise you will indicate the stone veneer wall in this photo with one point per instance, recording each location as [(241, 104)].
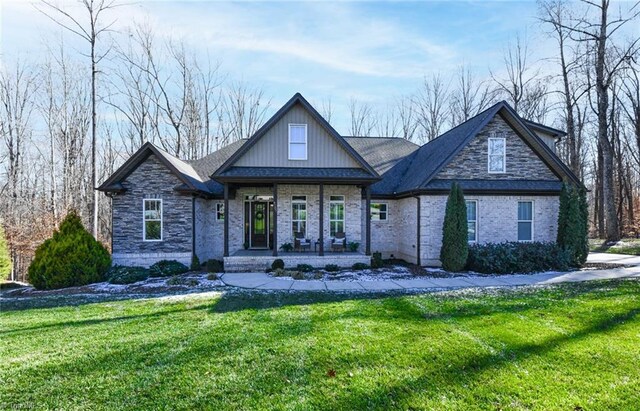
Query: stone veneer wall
[(151, 180), (521, 162), (497, 221), (209, 231)]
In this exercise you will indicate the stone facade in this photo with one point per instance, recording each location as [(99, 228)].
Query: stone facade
[(522, 163), (151, 180), (497, 221)]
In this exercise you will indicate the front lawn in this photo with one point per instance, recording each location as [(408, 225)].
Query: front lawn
[(568, 347), (629, 246)]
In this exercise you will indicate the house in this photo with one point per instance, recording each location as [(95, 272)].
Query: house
[(297, 177)]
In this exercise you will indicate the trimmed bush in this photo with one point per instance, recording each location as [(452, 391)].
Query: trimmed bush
[(297, 275), (279, 272), (516, 257), (278, 263), (376, 260), (167, 268), (119, 274), (353, 246), (5, 258), (178, 280), (455, 245), (360, 266), (332, 268), (305, 268), (195, 263), (212, 276), (214, 266), (573, 224), (71, 257)]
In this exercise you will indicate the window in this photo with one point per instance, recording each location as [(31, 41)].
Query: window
[(497, 155), (379, 212), (152, 224), (220, 211), (525, 221), (299, 215), (472, 221), (336, 215), (297, 141)]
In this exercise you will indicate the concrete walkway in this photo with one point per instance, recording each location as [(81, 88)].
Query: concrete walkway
[(263, 281)]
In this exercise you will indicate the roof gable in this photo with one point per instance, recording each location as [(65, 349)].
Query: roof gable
[(268, 147)]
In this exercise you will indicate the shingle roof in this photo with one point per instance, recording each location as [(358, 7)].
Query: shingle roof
[(382, 153)]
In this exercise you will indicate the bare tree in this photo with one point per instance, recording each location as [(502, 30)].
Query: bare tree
[(90, 33), (469, 97), (241, 112), (388, 122), (431, 105), (326, 109), (363, 121), (406, 117)]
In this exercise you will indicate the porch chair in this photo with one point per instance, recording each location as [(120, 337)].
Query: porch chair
[(339, 242), (301, 243)]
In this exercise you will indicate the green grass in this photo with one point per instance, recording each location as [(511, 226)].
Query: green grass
[(629, 246), (568, 347)]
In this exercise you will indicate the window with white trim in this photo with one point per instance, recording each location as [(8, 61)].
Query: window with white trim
[(299, 215), (472, 221), (297, 141), (497, 155), (336, 215), (152, 220), (220, 211), (525, 220), (379, 211)]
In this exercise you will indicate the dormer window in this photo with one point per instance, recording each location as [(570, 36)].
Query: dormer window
[(497, 155), (297, 141)]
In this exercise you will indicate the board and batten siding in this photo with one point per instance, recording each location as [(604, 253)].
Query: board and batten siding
[(272, 150)]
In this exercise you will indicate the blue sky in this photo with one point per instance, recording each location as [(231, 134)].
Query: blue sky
[(371, 51)]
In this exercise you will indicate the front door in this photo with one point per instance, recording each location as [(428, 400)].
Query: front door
[(259, 215)]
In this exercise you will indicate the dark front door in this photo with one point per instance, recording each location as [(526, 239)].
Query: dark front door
[(259, 215)]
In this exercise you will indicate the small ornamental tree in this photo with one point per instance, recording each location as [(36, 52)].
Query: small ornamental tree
[(5, 258), (573, 223), (71, 257), (455, 246)]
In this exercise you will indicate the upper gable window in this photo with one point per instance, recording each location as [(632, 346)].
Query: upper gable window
[(297, 141), (497, 155)]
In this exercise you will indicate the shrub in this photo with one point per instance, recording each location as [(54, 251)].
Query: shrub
[(573, 224), (177, 280), (353, 246), (279, 272), (318, 275), (5, 258), (297, 275), (195, 263), (286, 247), (455, 237), (278, 263), (376, 260), (214, 266), (360, 266), (212, 276), (119, 274), (332, 268), (167, 268), (515, 257), (71, 257), (305, 268)]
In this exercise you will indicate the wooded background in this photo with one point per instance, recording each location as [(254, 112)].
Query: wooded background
[(68, 120)]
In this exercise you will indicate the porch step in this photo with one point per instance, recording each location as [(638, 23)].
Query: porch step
[(245, 263)]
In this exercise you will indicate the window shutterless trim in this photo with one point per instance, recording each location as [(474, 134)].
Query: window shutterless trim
[(504, 155), (386, 212), (144, 220), (533, 212), (218, 207), (298, 220), (475, 222), (306, 140)]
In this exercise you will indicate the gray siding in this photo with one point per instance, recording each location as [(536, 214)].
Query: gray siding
[(151, 180), (548, 139), (472, 161), (272, 149)]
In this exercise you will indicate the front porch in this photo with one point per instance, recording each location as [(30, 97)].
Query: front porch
[(260, 260)]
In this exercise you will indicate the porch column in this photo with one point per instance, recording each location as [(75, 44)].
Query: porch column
[(275, 219), (321, 238), (226, 219), (367, 210)]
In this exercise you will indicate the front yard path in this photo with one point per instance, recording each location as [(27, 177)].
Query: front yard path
[(264, 281)]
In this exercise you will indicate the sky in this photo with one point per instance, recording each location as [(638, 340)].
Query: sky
[(370, 51)]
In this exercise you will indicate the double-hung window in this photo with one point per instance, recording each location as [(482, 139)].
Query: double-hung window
[(297, 141), (497, 155), (220, 211), (299, 215), (379, 212), (472, 221), (525, 221), (152, 220), (336, 215)]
